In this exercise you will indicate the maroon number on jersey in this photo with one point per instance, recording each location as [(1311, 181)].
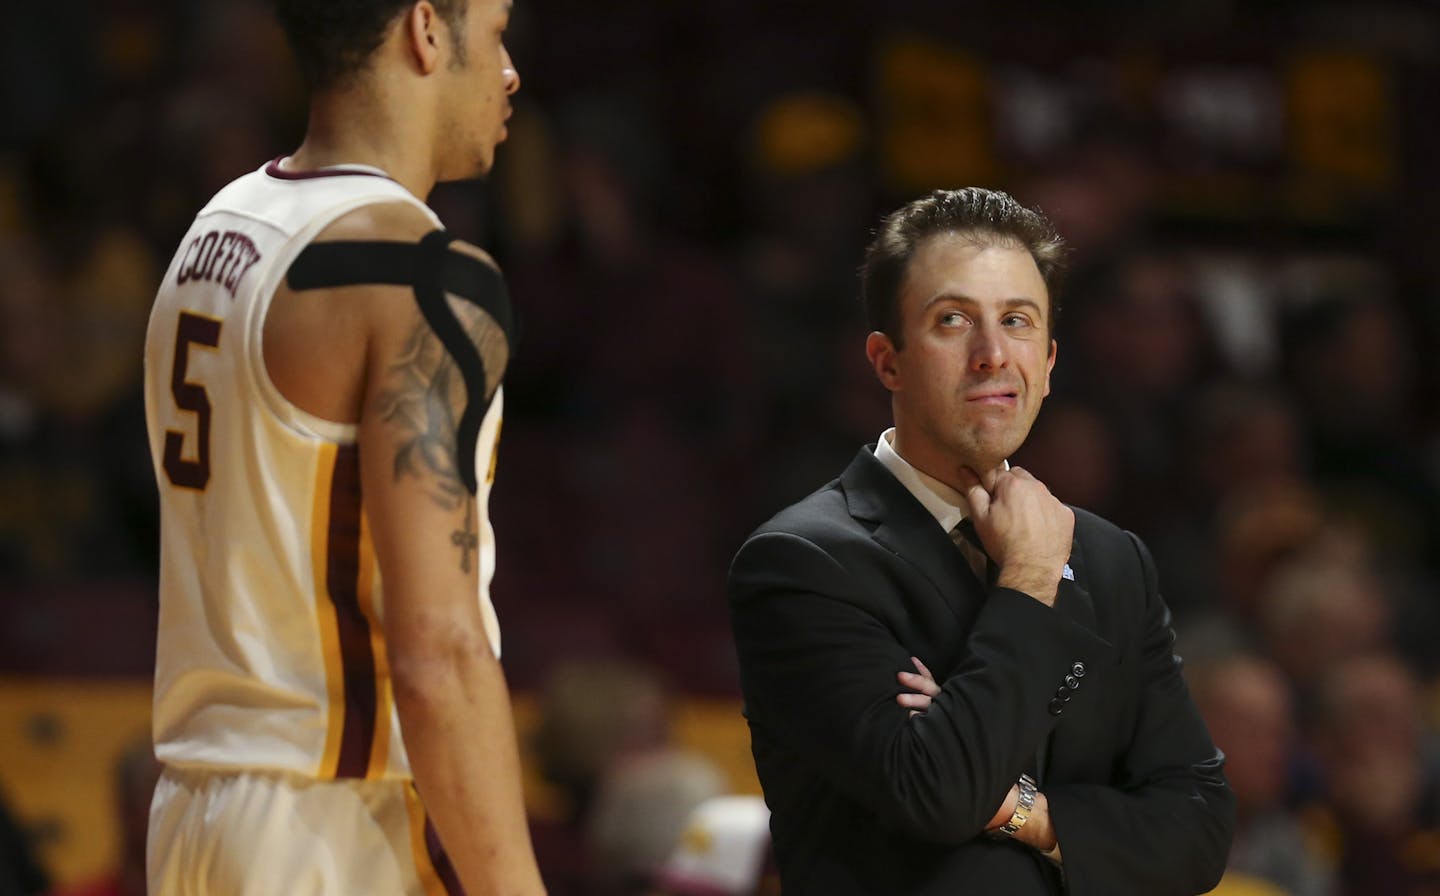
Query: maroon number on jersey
[(186, 473)]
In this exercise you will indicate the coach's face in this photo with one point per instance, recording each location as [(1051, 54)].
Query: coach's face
[(976, 357)]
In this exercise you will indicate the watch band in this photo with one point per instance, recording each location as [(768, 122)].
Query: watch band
[(1023, 807)]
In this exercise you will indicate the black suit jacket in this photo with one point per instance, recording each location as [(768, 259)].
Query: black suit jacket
[(831, 598)]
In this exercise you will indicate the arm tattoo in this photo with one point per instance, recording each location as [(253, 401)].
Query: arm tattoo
[(423, 395), (465, 538), (417, 401)]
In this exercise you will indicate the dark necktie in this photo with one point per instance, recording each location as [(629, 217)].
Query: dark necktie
[(970, 547)]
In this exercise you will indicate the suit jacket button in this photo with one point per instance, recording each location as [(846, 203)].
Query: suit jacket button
[(1072, 682), (1057, 706), (1078, 670)]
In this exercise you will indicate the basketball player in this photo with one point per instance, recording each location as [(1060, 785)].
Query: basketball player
[(323, 368)]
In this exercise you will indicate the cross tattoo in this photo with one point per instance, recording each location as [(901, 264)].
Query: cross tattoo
[(465, 539)]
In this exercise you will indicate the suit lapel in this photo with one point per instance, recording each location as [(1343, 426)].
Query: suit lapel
[(906, 529)]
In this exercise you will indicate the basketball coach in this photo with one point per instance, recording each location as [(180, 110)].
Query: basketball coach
[(1054, 748)]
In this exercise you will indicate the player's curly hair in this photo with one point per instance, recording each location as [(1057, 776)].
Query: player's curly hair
[(334, 39), (989, 217)]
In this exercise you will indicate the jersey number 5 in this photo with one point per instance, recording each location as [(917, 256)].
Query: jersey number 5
[(202, 331)]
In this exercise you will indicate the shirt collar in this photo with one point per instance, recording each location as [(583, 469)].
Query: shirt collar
[(944, 503)]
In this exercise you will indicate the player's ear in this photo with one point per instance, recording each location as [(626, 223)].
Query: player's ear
[(421, 27), (881, 351)]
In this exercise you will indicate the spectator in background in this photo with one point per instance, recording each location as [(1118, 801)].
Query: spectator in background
[(804, 181), (1241, 450), (1138, 347), (639, 815), (79, 493), (29, 341), (1322, 607), (805, 185), (1379, 819), (595, 715), (1247, 705), (136, 772), (1073, 451), (656, 321), (1100, 189), (723, 851), (1256, 533), (1349, 357)]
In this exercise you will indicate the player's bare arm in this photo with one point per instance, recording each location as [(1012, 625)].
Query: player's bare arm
[(419, 397), (396, 379)]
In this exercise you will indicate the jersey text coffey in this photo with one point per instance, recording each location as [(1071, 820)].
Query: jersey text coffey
[(222, 257)]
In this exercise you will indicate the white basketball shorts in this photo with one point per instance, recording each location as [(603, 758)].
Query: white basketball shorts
[(263, 834)]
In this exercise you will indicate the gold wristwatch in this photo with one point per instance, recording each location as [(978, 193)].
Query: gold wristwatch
[(1023, 807)]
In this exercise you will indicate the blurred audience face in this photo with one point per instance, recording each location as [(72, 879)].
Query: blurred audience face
[(1323, 607), (1158, 330), (1072, 451), (1245, 438), (1368, 741), (1247, 706), (1100, 194), (1141, 333), (594, 715), (1258, 530), (1354, 368)]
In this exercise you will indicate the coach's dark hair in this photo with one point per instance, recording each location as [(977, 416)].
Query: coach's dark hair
[(988, 217), (333, 40)]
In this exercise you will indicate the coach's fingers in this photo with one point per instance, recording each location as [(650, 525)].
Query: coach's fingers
[(975, 493), (917, 702), (923, 682)]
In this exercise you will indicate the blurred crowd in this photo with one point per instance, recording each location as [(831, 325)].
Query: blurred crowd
[(1246, 375)]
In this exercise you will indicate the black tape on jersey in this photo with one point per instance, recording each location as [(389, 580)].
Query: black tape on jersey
[(433, 270)]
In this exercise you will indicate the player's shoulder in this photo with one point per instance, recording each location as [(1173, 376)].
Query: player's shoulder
[(379, 221), (396, 221)]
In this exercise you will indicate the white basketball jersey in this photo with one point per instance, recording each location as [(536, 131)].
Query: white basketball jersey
[(271, 653)]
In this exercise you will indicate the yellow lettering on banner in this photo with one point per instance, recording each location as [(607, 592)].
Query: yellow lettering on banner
[(1342, 120), (935, 125)]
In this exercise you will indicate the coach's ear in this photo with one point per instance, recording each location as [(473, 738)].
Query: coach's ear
[(881, 351)]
